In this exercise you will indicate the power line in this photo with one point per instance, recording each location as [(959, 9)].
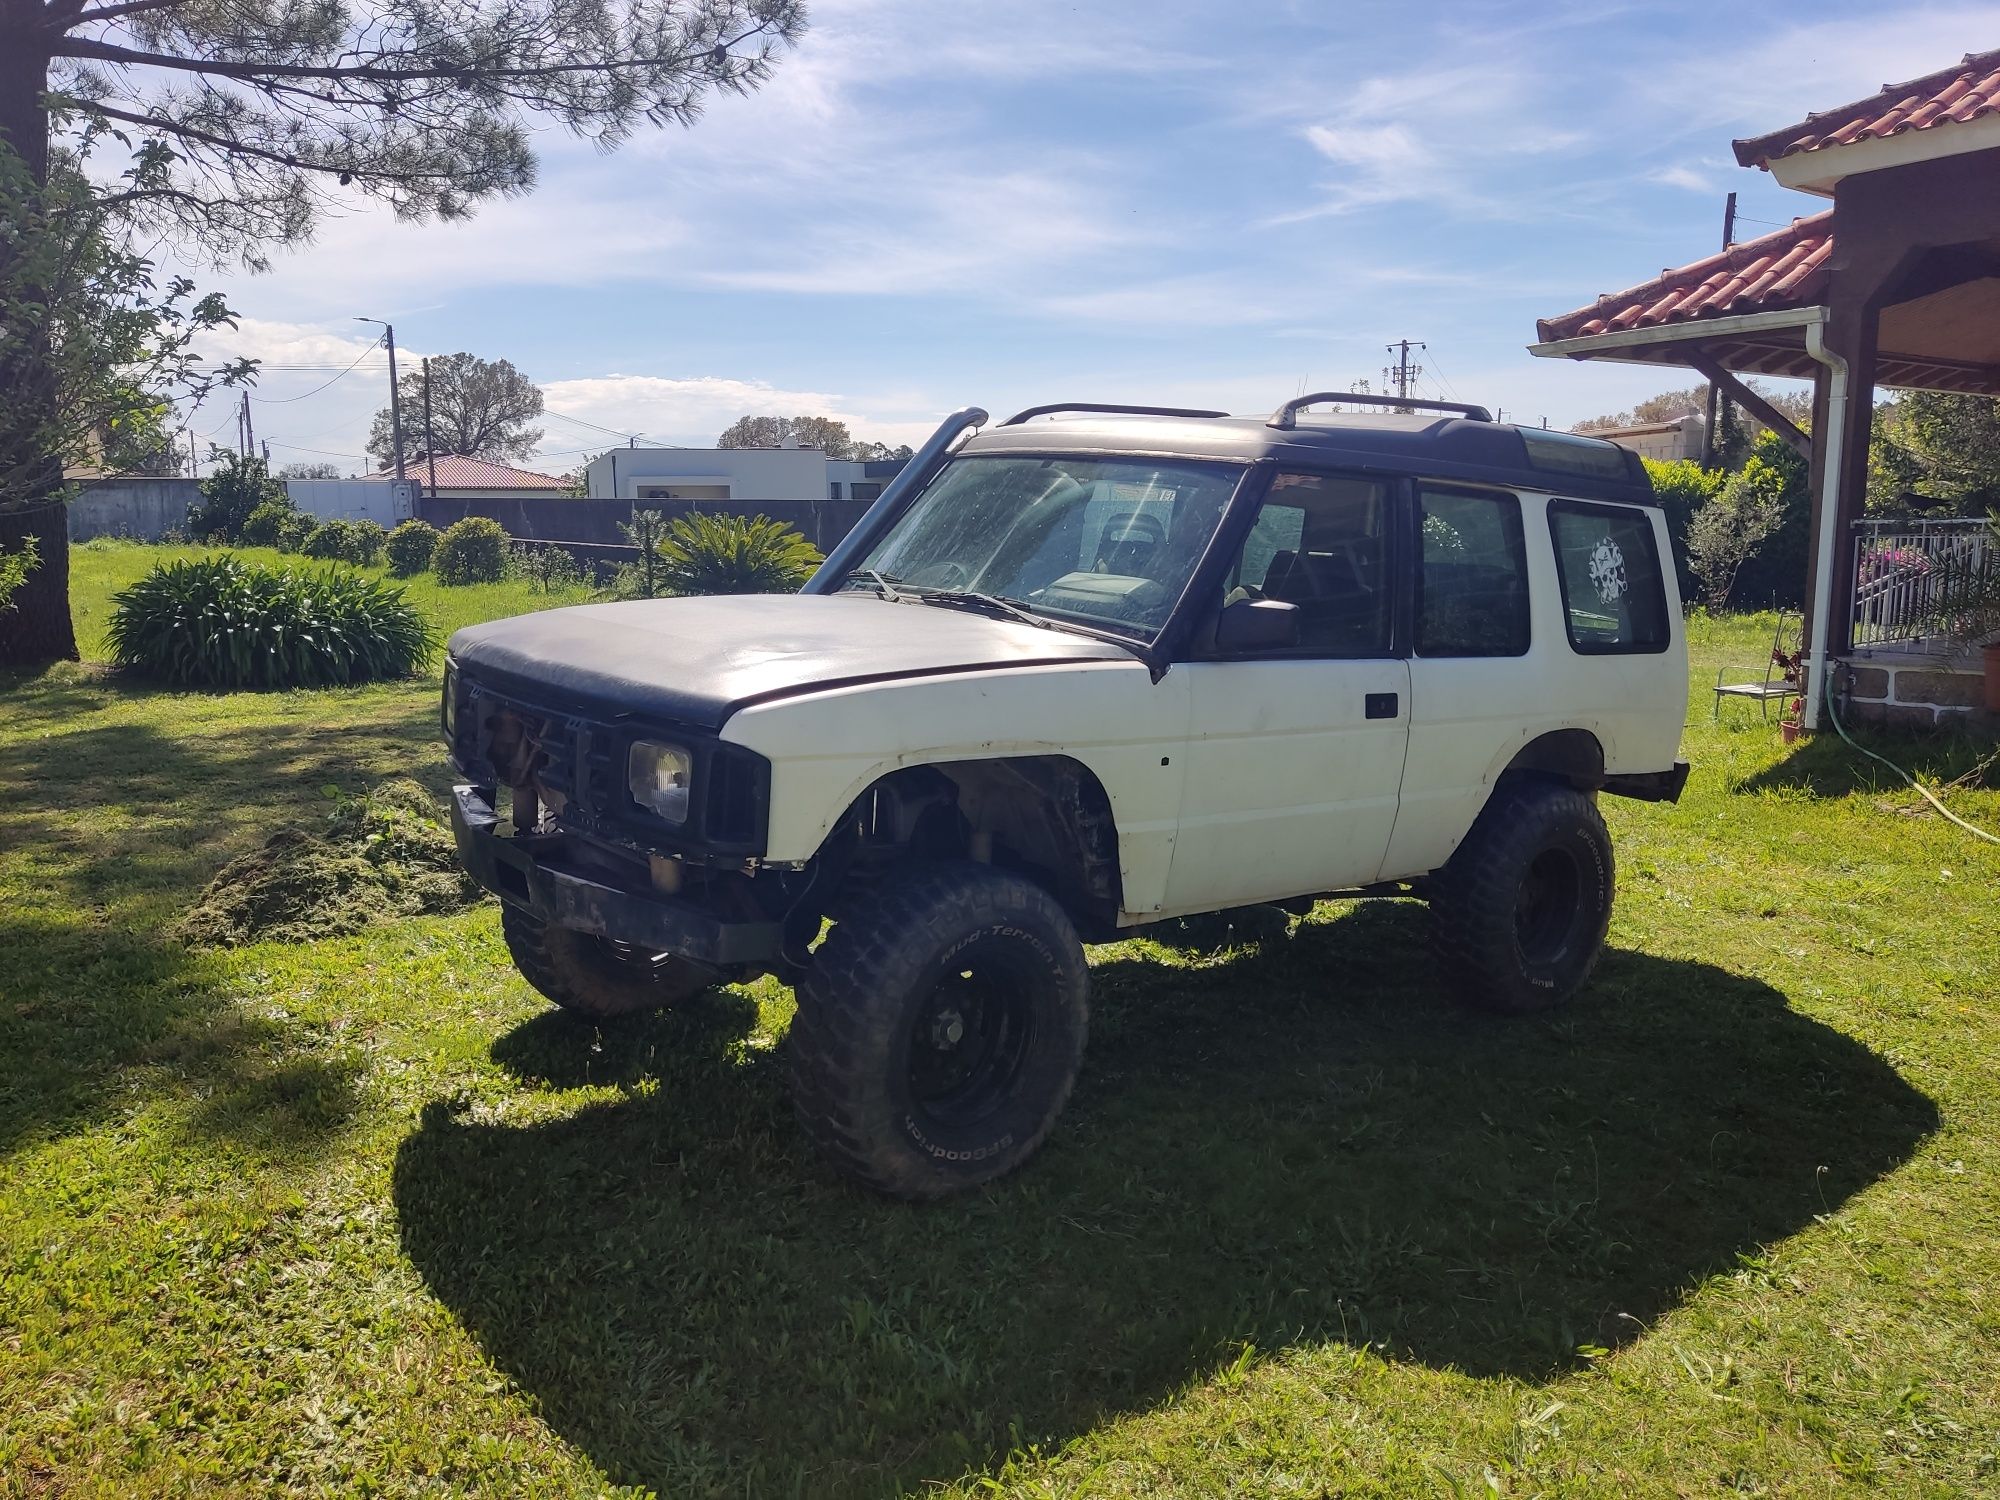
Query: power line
[(281, 400), (593, 426)]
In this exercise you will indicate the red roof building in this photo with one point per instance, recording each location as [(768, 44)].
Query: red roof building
[(457, 474), (1897, 284)]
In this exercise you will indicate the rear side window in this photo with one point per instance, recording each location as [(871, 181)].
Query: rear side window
[(1613, 598), (1472, 575)]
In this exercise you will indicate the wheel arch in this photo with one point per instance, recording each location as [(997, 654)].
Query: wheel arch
[(1048, 816)]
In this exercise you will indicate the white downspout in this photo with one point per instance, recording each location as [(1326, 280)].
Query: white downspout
[(1832, 470)]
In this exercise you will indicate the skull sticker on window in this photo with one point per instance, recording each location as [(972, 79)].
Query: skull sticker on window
[(1607, 571)]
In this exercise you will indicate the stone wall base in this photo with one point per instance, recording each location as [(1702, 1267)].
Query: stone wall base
[(1915, 693)]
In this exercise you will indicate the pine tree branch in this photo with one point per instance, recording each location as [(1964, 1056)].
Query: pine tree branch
[(90, 49), (280, 158)]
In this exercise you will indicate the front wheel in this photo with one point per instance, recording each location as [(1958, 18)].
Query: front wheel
[(594, 977), (939, 1030), (1522, 908)]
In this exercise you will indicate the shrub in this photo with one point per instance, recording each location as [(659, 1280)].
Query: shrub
[(369, 538), (1726, 531), (219, 622), (262, 526), (473, 550), (545, 568), (237, 488), (357, 542), (15, 566), (295, 531), (701, 554), (410, 547), (333, 541)]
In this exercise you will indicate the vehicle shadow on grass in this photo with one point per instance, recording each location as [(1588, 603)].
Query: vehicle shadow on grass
[(1282, 1145)]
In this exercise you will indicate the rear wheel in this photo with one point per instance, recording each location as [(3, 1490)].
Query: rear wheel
[(1522, 908), (939, 1030), (598, 978)]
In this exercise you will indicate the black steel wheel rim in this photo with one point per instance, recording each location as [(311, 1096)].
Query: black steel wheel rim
[(970, 1037), (1548, 906)]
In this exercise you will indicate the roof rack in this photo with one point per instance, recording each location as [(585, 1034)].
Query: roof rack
[(1286, 417), (1126, 411)]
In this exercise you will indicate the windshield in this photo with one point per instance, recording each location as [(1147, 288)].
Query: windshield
[(1105, 542)]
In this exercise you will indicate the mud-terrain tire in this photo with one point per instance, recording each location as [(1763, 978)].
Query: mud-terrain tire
[(939, 1030), (595, 977), (1521, 910)]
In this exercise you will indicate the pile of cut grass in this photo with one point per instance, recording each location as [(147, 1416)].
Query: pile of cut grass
[(381, 858)]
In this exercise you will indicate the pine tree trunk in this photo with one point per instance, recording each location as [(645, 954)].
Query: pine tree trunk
[(37, 629)]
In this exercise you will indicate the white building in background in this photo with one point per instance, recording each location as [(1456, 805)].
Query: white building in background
[(735, 474), (1663, 442)]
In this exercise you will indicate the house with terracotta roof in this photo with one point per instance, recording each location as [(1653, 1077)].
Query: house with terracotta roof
[(1896, 285), (455, 476)]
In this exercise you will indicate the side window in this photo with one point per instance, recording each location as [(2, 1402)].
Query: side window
[(1613, 598), (1320, 542), (1472, 576)]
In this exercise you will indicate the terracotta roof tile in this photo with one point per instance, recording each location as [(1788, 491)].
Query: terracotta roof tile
[(1968, 90), (1780, 270), (455, 471)]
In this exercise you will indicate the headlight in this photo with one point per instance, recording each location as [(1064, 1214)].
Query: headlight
[(658, 776), (450, 701)]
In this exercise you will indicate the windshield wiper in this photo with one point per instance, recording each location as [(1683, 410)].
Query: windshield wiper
[(885, 586), (992, 604)]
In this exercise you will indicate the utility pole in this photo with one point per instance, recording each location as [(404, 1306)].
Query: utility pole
[(1712, 411), (430, 442), (1402, 373), (395, 405), (249, 432)]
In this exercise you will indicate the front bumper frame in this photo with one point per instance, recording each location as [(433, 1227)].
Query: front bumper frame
[(520, 872)]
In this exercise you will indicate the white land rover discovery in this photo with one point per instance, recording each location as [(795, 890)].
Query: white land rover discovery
[(1093, 668)]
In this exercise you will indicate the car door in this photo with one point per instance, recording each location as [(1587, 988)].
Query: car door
[(1478, 683), (1295, 754)]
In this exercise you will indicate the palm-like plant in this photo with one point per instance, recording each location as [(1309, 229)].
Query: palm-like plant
[(703, 554)]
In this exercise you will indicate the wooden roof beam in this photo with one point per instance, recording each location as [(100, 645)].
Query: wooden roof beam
[(1743, 395)]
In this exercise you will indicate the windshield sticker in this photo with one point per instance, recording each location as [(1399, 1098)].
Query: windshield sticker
[(1607, 571)]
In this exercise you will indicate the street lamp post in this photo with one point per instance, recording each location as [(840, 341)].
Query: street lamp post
[(395, 405)]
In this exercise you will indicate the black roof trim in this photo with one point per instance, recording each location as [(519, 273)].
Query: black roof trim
[(1421, 446)]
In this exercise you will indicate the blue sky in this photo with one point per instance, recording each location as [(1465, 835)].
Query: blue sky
[(1006, 202)]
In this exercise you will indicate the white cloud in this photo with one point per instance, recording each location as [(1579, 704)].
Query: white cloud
[(691, 411), (1682, 177)]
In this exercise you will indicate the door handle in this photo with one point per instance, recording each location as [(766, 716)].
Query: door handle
[(1381, 706)]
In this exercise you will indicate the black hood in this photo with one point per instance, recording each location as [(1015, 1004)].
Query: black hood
[(696, 661)]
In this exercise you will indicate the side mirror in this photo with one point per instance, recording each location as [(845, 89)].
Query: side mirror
[(1257, 625)]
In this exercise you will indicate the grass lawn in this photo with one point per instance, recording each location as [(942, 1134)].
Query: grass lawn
[(365, 1216)]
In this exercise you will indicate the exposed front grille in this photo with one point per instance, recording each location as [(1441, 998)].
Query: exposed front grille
[(576, 765)]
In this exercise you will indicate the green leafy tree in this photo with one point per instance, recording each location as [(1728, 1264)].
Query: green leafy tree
[(824, 433), (236, 489), (1940, 447), (479, 407), (310, 471), (242, 123), (1727, 530), (867, 450), (1682, 487), (92, 340)]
